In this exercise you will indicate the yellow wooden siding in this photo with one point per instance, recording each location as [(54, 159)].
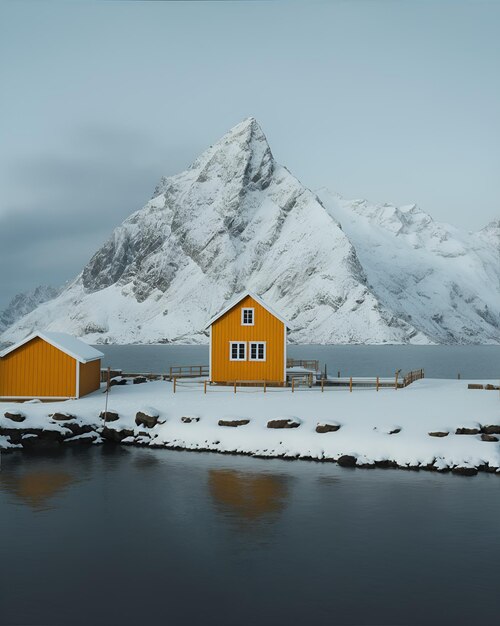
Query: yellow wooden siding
[(36, 370), (90, 377), (266, 328)]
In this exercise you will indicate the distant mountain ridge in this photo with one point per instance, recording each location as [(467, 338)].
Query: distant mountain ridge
[(340, 271), (25, 302)]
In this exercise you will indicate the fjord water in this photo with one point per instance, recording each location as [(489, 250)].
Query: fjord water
[(113, 535), (473, 361)]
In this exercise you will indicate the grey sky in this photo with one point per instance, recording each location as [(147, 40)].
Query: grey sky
[(392, 101)]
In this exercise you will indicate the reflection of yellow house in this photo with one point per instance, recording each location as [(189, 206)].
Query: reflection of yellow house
[(248, 343), (49, 365)]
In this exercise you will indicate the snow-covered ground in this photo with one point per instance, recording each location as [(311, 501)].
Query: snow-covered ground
[(366, 419)]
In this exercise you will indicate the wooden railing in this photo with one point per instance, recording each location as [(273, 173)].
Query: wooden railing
[(308, 364), (188, 371), (412, 376)]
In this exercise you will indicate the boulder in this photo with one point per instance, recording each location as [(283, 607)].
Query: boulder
[(233, 423), (491, 429), (86, 438), (62, 417), (147, 417), (347, 460), (323, 427), (138, 380), (439, 433), (116, 435), (492, 387), (394, 431), (78, 429), (283, 423), (467, 431), (485, 437), (474, 386), (15, 417), (109, 416), (465, 470), (117, 381), (189, 420)]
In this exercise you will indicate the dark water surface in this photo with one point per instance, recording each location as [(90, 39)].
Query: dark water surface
[(114, 535), (437, 361)]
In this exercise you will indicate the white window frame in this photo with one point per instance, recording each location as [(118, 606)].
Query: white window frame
[(257, 343), (237, 343), (247, 308)]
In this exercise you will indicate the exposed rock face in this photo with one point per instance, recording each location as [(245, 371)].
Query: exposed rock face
[(465, 470), (116, 435), (234, 423), (439, 433), (24, 303)]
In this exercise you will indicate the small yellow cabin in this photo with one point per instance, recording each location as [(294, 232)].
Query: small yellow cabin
[(49, 366), (248, 343)]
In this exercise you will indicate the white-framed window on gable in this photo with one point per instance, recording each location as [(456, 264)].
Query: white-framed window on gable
[(247, 317), (257, 351), (237, 351)]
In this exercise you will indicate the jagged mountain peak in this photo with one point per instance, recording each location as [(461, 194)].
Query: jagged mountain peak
[(243, 153)]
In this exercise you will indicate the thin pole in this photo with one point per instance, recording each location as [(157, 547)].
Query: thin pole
[(264, 386), (204, 386), (108, 386), (377, 382), (234, 386), (322, 384), (175, 382), (350, 384), (293, 385)]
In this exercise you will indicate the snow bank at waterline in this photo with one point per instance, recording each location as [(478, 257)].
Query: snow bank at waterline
[(364, 428)]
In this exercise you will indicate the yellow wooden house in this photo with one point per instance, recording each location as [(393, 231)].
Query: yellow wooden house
[(248, 343), (49, 366)]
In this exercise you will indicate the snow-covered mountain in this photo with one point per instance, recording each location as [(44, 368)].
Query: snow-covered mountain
[(24, 303), (238, 220), (444, 281)]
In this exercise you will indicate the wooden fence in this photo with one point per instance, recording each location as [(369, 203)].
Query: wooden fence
[(188, 371), (308, 364), (412, 376)]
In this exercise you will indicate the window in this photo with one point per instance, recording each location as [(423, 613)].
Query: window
[(257, 351), (237, 351), (247, 317)]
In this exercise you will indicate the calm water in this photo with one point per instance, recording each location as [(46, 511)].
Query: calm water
[(131, 536), (437, 361)]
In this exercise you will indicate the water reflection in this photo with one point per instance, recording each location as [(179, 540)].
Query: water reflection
[(36, 489), (248, 496)]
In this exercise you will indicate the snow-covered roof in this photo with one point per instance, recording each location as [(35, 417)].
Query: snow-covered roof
[(237, 300), (73, 347)]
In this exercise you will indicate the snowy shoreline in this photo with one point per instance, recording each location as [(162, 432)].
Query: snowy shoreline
[(361, 429)]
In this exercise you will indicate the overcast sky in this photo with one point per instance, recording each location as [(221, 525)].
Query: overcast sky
[(393, 101)]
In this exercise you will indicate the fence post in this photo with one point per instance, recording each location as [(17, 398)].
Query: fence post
[(234, 386), (396, 380), (350, 384), (322, 385), (175, 382), (204, 386), (377, 382), (338, 374), (293, 385), (264, 386), (458, 375)]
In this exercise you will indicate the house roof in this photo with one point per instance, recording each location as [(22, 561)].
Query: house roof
[(73, 347), (237, 300)]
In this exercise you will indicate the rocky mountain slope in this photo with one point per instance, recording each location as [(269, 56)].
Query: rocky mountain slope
[(24, 303), (238, 220)]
